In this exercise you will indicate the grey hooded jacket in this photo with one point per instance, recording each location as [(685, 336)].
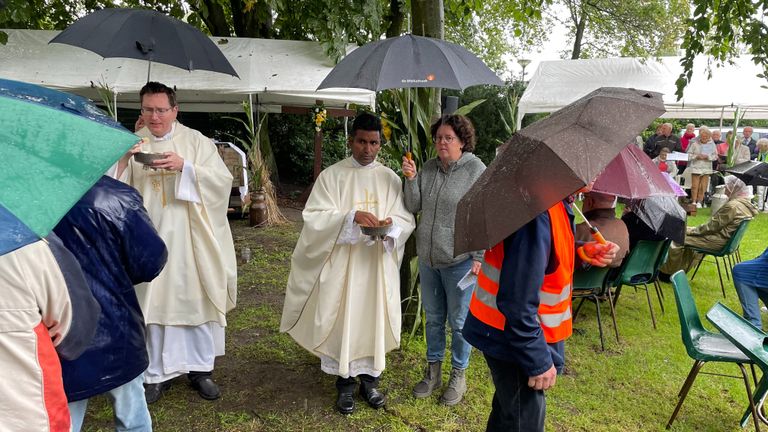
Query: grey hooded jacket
[(435, 192)]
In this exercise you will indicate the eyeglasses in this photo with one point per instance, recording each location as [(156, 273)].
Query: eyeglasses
[(159, 111), (447, 138)]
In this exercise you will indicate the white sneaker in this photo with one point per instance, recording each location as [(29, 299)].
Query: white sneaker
[(698, 205)]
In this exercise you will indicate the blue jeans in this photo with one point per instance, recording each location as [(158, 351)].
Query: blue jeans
[(515, 407), (443, 299), (131, 413), (751, 281)]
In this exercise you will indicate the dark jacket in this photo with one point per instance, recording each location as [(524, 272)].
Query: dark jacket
[(528, 257), (112, 237), (639, 230), (752, 144), (656, 142)]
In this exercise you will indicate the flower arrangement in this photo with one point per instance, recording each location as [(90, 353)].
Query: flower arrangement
[(319, 116)]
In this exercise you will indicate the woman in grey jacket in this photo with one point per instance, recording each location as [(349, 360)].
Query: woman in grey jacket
[(435, 192)]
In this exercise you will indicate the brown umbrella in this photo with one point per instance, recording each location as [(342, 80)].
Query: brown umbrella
[(549, 160)]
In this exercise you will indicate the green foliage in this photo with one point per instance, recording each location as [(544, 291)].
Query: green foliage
[(720, 30), (631, 28), (409, 113), (107, 98), (494, 120), (493, 30), (256, 145)]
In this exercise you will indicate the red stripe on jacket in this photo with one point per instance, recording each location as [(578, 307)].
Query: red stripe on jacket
[(53, 385)]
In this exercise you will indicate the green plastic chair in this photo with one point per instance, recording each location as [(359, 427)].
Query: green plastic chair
[(590, 284), (703, 346), (726, 252), (751, 341), (640, 268)]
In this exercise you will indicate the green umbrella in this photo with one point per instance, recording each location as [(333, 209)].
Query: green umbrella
[(54, 148)]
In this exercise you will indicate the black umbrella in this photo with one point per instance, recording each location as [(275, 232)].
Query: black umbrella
[(549, 160), (146, 35), (751, 172), (664, 215), (407, 62)]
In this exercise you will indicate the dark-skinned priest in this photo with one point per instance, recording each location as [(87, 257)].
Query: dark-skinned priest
[(342, 302)]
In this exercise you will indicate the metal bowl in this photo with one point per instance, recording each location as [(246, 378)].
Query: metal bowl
[(377, 232), (147, 158)]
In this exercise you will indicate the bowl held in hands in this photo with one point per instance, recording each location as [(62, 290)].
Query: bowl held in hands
[(377, 232), (147, 158)]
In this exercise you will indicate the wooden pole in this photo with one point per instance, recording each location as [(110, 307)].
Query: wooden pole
[(318, 154)]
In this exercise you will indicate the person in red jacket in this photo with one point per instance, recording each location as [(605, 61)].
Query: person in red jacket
[(520, 313)]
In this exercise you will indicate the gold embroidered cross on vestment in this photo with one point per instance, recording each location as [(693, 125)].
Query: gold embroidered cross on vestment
[(369, 203)]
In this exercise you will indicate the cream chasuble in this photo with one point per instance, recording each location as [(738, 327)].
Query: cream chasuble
[(343, 300), (189, 210)]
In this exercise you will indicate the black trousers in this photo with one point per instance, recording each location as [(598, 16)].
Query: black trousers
[(349, 385), (516, 407)]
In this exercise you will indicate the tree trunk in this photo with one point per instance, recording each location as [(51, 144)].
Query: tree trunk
[(256, 22), (581, 24), (395, 18), (428, 18), (215, 19)]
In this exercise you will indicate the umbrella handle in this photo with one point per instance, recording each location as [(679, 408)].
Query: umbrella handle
[(597, 235), (409, 156)]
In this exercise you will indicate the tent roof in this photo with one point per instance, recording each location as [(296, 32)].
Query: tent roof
[(557, 83), (278, 72)]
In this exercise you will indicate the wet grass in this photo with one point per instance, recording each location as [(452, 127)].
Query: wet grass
[(271, 384)]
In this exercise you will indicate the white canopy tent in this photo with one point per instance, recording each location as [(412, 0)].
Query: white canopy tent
[(555, 84), (274, 72)]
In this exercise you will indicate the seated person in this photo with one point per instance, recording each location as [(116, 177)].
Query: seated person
[(751, 281), (600, 211), (715, 233), (664, 166)]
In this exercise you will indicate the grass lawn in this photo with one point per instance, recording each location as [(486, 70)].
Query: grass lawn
[(270, 384)]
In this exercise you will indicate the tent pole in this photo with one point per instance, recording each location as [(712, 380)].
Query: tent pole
[(250, 102), (722, 113), (114, 105)]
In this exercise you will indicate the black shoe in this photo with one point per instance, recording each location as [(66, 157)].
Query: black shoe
[(345, 403), (153, 392), (664, 277), (373, 396), (206, 388)]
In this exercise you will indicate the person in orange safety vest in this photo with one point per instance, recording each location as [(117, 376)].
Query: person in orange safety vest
[(520, 313)]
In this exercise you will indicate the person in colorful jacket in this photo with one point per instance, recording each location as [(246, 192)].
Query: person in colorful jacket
[(113, 239), (520, 313), (47, 312)]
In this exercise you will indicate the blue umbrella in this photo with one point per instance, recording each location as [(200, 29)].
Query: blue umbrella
[(55, 147)]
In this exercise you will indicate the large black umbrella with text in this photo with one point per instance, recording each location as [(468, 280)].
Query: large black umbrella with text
[(410, 61), (146, 35)]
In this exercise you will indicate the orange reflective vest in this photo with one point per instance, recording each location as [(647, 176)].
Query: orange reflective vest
[(554, 314)]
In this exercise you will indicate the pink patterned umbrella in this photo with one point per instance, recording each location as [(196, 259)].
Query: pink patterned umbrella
[(679, 191), (632, 174)]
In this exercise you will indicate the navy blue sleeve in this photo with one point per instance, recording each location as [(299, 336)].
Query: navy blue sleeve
[(85, 308), (527, 254), (144, 251)]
